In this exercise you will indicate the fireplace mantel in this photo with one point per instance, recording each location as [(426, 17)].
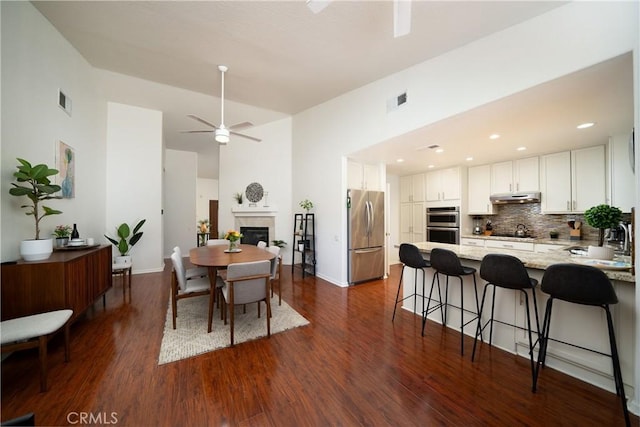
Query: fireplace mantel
[(254, 211)]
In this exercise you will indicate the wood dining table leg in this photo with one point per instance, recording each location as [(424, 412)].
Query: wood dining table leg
[(213, 274)]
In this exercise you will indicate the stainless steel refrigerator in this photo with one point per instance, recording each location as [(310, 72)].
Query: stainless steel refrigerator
[(366, 235)]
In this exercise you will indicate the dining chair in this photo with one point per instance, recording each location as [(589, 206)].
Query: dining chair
[(183, 288), (262, 244), (215, 242), (276, 268), (191, 272), (246, 282)]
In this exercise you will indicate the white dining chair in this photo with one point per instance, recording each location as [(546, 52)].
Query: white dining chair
[(262, 244), (191, 272), (215, 242), (183, 288)]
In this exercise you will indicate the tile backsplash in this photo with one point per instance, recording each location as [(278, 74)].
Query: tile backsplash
[(510, 215)]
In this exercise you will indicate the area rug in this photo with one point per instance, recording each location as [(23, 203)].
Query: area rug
[(190, 338)]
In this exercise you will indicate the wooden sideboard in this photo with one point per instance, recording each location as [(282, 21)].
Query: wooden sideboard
[(67, 279)]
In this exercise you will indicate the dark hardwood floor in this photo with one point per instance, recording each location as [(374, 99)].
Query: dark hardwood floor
[(350, 367)]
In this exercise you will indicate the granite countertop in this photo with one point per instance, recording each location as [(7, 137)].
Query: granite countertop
[(545, 240), (533, 260)]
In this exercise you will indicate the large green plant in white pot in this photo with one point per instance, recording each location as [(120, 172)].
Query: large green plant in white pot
[(34, 184), (602, 217)]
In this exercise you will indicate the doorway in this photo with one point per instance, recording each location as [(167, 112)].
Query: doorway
[(213, 219)]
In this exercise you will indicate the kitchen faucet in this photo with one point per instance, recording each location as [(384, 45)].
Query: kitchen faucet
[(628, 236)]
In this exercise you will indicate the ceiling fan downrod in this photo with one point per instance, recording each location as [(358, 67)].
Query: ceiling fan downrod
[(222, 133)]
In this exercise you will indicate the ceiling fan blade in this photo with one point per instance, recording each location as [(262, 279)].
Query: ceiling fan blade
[(201, 120), (401, 17), (246, 136), (242, 125), (197, 131)]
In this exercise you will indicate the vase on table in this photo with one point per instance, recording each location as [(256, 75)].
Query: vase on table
[(233, 245)]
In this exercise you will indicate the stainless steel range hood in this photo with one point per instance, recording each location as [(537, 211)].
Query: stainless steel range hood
[(498, 199)]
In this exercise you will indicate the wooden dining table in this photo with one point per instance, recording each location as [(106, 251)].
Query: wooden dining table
[(216, 257)]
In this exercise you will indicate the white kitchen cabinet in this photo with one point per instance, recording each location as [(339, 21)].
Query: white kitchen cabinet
[(509, 244), (443, 184), (479, 190), (362, 176), (466, 241), (517, 176), (412, 188), (412, 222), (573, 181)]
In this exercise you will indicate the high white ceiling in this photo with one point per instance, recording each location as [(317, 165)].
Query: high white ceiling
[(283, 57)]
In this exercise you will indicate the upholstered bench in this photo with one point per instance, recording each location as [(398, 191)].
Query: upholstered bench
[(34, 331)]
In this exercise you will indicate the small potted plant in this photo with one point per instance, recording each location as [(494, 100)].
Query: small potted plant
[(33, 182), (62, 233), (238, 198), (279, 243), (126, 240), (602, 217), (306, 204)]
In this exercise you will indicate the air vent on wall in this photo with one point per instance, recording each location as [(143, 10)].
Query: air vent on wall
[(64, 102), (396, 101)]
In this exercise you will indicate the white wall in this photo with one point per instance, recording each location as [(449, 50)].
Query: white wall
[(36, 62), (134, 180), (268, 163), (539, 50), (180, 175)]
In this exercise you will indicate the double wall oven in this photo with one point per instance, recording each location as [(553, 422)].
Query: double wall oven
[(443, 225)]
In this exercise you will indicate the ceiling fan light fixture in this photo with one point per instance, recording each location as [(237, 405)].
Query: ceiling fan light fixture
[(222, 135)]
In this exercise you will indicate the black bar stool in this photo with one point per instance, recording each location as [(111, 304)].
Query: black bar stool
[(585, 285), (411, 257), (446, 262), (506, 271)]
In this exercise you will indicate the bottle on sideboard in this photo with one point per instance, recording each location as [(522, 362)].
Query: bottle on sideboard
[(74, 233)]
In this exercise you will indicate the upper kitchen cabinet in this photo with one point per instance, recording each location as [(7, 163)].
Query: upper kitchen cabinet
[(573, 181), (516, 176), (363, 177), (443, 185), (479, 185), (412, 188), (622, 177)]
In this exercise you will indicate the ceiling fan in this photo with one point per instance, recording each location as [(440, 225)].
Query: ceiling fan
[(401, 14), (221, 132)]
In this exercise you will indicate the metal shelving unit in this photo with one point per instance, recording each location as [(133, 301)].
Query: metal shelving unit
[(304, 239)]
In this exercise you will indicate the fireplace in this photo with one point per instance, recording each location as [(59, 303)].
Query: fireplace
[(252, 235)]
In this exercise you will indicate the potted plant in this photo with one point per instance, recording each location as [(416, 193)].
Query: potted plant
[(279, 243), (34, 183), (238, 198), (127, 239), (602, 217), (62, 233), (306, 204)]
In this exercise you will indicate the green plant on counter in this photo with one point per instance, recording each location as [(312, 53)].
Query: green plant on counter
[(38, 188), (603, 217)]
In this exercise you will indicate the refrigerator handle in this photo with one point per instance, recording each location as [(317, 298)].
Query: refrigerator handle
[(369, 218), (373, 219)]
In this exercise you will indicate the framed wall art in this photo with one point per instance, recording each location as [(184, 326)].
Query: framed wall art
[(66, 166)]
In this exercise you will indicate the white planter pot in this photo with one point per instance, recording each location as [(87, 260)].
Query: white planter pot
[(600, 252), (123, 260), (36, 250)]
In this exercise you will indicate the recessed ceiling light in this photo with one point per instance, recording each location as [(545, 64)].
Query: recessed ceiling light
[(400, 160), (585, 125), (494, 136), (440, 150), (468, 159), (431, 166), (521, 148)]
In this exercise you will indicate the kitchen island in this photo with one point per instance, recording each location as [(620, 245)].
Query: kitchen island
[(576, 324)]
